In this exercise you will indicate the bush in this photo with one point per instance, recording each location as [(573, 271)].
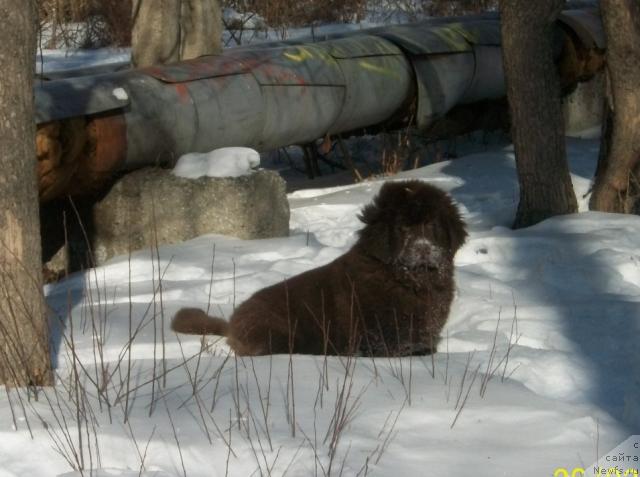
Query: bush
[(85, 23), (449, 8), (281, 13), (93, 23)]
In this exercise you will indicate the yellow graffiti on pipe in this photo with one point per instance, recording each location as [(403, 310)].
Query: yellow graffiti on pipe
[(452, 37), (304, 54), (378, 69)]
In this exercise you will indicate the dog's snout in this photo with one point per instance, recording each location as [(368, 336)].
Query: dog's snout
[(428, 254), (423, 247), (422, 255), (422, 242)]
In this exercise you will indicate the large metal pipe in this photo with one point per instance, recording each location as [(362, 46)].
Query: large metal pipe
[(273, 95)]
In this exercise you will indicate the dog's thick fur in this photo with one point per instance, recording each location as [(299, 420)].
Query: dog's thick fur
[(387, 296)]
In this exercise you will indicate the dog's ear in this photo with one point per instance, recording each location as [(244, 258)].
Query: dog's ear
[(371, 214), (392, 199), (454, 227), (383, 205), (379, 219), (377, 241), (375, 237)]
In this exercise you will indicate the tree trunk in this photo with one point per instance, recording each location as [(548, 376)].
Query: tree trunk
[(536, 115), (24, 340), (617, 181), (166, 31), (201, 24)]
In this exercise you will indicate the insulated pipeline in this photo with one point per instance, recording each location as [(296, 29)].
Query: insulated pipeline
[(277, 94)]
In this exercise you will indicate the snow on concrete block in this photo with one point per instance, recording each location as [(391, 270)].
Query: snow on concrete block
[(583, 108), (155, 201), (223, 162)]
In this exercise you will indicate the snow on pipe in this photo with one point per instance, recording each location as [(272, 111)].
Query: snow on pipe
[(277, 94)]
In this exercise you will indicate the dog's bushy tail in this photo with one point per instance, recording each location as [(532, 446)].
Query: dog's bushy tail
[(194, 321)]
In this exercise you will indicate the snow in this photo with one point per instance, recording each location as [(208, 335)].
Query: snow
[(48, 60), (121, 94), (223, 162), (249, 21), (538, 368)]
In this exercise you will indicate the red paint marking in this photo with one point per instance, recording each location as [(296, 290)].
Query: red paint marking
[(183, 92)]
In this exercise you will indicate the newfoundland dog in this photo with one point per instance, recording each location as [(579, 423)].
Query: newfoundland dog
[(387, 296)]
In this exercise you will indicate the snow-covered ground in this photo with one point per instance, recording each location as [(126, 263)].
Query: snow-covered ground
[(538, 369)]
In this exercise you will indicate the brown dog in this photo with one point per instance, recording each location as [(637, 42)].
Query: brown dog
[(387, 296)]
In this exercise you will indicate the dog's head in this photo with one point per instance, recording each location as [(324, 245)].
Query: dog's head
[(412, 225)]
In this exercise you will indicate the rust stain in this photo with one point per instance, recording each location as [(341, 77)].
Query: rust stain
[(59, 149), (105, 152), (200, 68)]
